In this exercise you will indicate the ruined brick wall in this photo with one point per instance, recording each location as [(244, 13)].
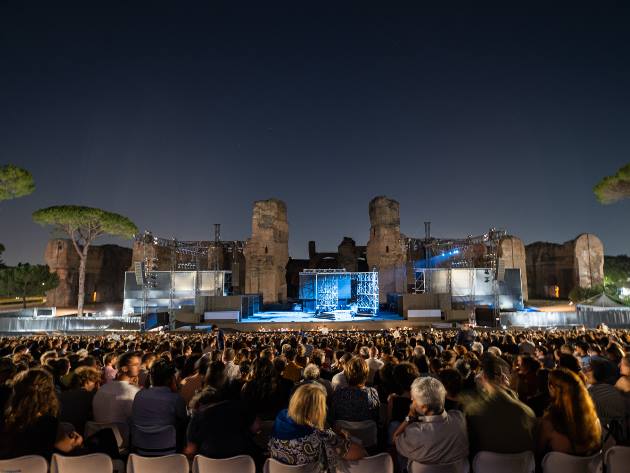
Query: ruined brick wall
[(386, 250), (512, 255), (554, 269), (267, 251), (104, 272)]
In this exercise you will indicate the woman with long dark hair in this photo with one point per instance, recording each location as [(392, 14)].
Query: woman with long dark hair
[(266, 390), (31, 424), (570, 424)]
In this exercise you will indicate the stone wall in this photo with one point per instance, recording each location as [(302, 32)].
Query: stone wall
[(267, 251), (553, 270), (386, 249), (511, 254), (104, 272)]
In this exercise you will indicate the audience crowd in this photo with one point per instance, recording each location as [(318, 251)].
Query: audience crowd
[(429, 396)]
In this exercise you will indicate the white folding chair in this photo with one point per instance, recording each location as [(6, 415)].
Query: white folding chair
[(381, 463), (365, 431), (121, 431), (92, 463), (523, 462), (25, 464), (151, 441), (274, 466), (176, 463), (556, 462), (238, 464), (461, 466), (617, 459)]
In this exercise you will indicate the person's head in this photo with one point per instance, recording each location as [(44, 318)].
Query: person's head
[(228, 355), (204, 398), (452, 381), (311, 372), (496, 351), (624, 366), (33, 396), (308, 406), (356, 371), (404, 375), (528, 364), (428, 395), (163, 374), (216, 375), (494, 371), (373, 352), (128, 366), (601, 371), (110, 359), (85, 377), (573, 411)]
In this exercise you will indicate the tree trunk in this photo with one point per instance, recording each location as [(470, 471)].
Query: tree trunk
[(81, 295)]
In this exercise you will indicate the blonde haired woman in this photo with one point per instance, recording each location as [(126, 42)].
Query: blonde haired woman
[(299, 435)]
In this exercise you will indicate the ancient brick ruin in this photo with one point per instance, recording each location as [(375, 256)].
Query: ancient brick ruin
[(104, 282), (267, 251)]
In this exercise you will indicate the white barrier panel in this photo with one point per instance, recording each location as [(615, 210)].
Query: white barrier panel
[(425, 313), (222, 315)]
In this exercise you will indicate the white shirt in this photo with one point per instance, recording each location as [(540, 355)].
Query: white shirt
[(374, 364), (339, 381), (232, 371), (112, 402)]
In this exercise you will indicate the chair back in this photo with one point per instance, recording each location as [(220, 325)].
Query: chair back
[(617, 459), (461, 466), (523, 462), (274, 466), (238, 464), (92, 463), (561, 462), (365, 431), (121, 431), (176, 463), (381, 463), (25, 464), (151, 441)]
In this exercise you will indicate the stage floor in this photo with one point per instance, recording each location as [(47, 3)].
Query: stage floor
[(337, 316)]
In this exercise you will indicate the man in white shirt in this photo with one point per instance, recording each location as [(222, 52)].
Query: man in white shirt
[(112, 402), (232, 371), (374, 365), (429, 434)]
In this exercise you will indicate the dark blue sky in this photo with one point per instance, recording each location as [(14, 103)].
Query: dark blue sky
[(181, 114)]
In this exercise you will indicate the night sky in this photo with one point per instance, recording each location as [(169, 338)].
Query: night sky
[(181, 114)]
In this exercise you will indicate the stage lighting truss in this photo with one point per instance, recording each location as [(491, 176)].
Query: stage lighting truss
[(322, 287)]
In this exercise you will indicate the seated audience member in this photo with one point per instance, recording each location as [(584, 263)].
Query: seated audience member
[(300, 438), (356, 402), (113, 401), (76, 402), (143, 376), (109, 371), (293, 371), (374, 365), (339, 380), (524, 380), (193, 384), (311, 375), (222, 428), (453, 383), (609, 402), (267, 391), (7, 371), (497, 421), (216, 376), (570, 425), (430, 434), (541, 400), (232, 370), (398, 403), (31, 423), (623, 383), (161, 405)]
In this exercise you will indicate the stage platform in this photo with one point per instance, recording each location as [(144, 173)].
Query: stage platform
[(326, 317)]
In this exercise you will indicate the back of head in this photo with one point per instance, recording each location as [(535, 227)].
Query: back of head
[(311, 371), (33, 396), (356, 371), (573, 411), (429, 392), (494, 369), (162, 373), (404, 375), (308, 406)]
